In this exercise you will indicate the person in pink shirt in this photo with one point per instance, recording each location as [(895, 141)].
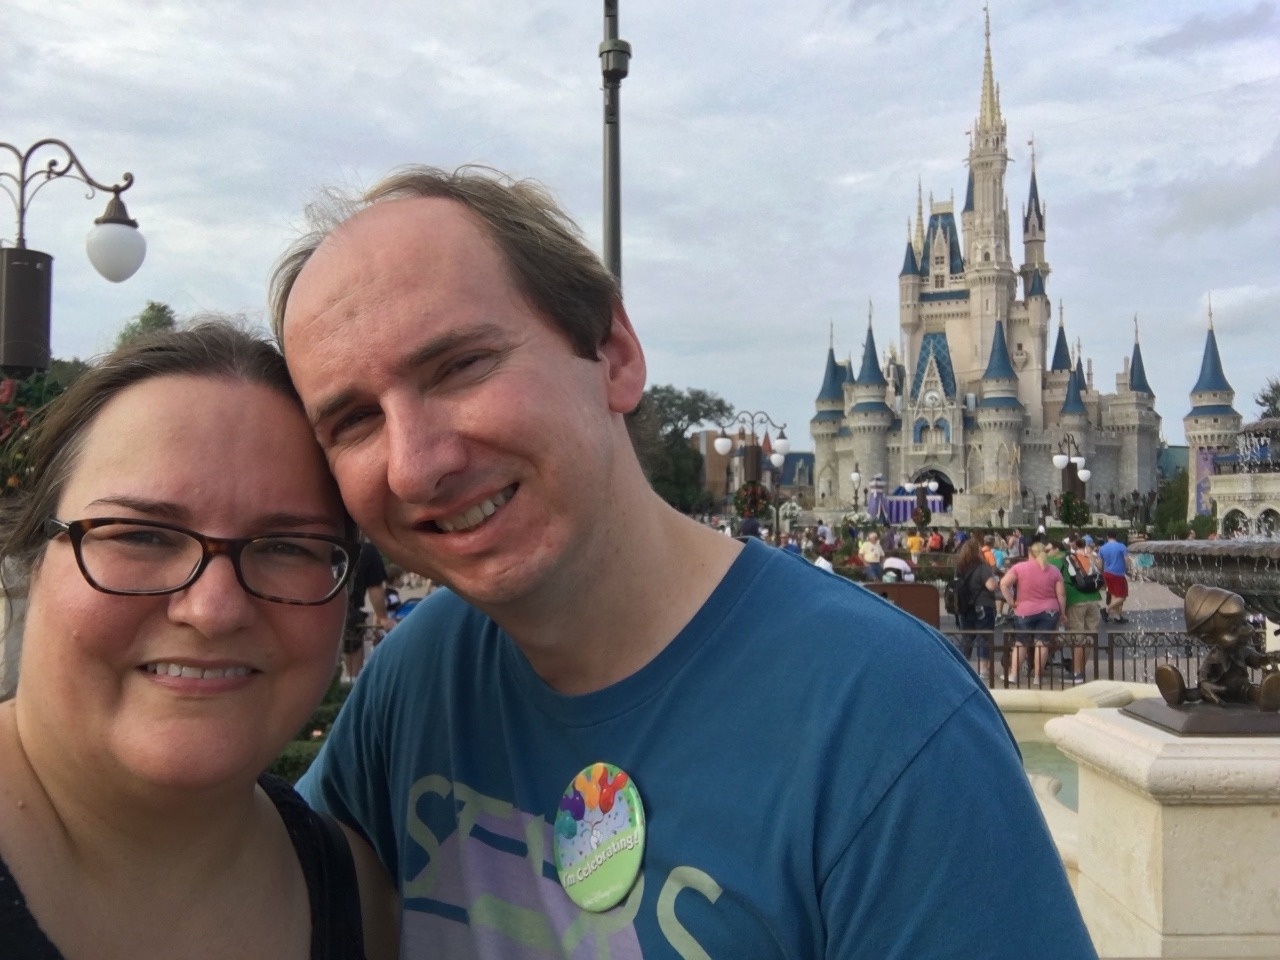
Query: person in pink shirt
[(1035, 590)]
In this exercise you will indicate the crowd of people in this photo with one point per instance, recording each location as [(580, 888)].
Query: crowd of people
[(1035, 586)]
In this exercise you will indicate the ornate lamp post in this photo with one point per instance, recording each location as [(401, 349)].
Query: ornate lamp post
[(751, 423), (1071, 459), (114, 245), (856, 477)]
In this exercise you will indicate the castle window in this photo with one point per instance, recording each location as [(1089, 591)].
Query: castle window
[(986, 254), (937, 281)]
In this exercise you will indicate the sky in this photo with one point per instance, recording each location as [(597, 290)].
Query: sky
[(770, 159)]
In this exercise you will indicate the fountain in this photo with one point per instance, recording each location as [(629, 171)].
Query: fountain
[(1173, 827), (1248, 566)]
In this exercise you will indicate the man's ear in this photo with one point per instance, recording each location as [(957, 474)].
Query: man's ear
[(624, 360)]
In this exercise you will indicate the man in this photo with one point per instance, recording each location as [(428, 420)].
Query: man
[(369, 579), (617, 726), (915, 545), (1115, 568), (1083, 606), (872, 556), (1017, 549)]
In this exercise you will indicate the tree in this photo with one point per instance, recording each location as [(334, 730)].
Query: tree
[(1268, 399), (677, 411), (665, 418), (154, 316)]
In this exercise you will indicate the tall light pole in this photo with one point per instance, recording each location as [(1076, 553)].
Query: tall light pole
[(615, 57), (114, 245), (748, 422)]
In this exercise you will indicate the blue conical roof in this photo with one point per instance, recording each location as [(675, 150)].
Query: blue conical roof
[(1080, 372), (909, 265), (1034, 212), (871, 374), (968, 194), (1061, 353), (999, 366), (1211, 376), (1073, 403), (1138, 374), (1037, 285), (832, 380)]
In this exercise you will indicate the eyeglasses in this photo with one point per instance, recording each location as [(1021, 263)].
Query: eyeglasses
[(149, 558)]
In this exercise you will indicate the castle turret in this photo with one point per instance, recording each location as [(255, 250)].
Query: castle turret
[(1001, 417), (869, 416), (989, 274), (1033, 233), (1211, 426), (1133, 417)]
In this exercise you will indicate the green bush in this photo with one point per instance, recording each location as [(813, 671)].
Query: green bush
[(295, 759)]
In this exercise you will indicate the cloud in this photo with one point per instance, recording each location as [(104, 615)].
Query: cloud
[(1225, 197), (1202, 32)]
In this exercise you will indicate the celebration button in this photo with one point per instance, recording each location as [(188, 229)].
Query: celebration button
[(599, 837)]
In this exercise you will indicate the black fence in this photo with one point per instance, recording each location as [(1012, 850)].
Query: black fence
[(1065, 659)]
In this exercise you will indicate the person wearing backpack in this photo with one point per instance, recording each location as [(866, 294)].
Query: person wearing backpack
[(1082, 578), (975, 584)]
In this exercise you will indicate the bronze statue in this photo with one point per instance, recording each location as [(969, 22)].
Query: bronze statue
[(1219, 617)]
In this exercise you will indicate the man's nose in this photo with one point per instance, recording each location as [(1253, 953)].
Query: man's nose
[(423, 448)]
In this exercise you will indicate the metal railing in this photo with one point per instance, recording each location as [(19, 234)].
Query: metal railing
[(1109, 654)]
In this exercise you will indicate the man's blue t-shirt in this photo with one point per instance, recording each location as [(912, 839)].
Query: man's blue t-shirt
[(1113, 554), (822, 777)]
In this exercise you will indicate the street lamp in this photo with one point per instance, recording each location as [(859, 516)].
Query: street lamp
[(114, 245), (1070, 458), (749, 424), (615, 58), (856, 477)]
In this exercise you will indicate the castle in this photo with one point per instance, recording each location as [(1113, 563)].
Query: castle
[(973, 407)]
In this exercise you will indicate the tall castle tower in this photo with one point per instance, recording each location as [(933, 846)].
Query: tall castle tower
[(1211, 426)]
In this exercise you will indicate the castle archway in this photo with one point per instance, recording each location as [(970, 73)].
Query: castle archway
[(946, 489)]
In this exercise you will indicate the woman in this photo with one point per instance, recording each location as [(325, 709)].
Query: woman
[(1037, 607), (978, 598), (184, 556)]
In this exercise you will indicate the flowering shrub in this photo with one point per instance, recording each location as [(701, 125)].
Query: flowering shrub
[(20, 401), (1073, 511)]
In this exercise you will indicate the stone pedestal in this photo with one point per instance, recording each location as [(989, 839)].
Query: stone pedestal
[(1179, 838)]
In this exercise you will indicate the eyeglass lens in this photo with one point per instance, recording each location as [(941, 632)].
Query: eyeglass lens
[(143, 559)]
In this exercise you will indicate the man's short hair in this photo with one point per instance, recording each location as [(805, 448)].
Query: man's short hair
[(549, 262)]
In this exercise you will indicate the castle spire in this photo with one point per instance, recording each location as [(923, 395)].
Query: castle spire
[(919, 242), (1033, 218), (1212, 379), (989, 112), (1137, 372), (870, 374)]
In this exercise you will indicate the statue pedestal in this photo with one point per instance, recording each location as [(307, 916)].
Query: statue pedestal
[(1179, 838)]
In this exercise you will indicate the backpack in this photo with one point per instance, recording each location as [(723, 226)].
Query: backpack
[(1085, 582), (955, 596)]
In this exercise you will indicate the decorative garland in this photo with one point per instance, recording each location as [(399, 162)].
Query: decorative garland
[(20, 401), (1073, 511), (921, 516), (752, 499)]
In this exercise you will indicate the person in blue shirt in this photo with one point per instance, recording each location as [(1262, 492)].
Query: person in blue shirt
[(617, 732), (1115, 570)]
